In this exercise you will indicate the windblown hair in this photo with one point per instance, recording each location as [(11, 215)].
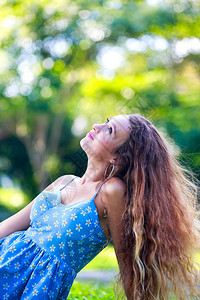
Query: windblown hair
[(161, 225)]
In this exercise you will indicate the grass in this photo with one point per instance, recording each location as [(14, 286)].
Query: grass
[(91, 290), (105, 261), (94, 290), (197, 260)]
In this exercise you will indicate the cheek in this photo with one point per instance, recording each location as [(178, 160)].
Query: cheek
[(104, 139), (103, 145)]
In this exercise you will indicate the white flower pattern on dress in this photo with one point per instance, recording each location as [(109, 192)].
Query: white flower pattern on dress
[(78, 227), (47, 256)]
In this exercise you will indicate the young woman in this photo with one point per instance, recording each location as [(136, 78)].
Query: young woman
[(133, 193)]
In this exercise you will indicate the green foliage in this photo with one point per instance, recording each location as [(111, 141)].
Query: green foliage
[(11, 201), (54, 70), (17, 199)]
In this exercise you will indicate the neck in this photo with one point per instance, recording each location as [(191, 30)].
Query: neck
[(94, 172)]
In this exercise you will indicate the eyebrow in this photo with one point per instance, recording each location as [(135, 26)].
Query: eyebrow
[(115, 130)]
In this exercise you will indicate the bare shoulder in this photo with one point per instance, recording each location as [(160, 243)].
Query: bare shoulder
[(114, 186), (113, 194), (114, 201), (59, 182)]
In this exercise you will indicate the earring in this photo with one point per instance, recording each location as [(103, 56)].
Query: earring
[(113, 168)]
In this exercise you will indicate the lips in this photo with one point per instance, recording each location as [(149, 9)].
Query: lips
[(90, 135)]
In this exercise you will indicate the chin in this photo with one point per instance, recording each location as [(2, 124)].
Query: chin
[(83, 144), (87, 147)]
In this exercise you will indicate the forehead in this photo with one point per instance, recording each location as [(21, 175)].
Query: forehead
[(121, 122)]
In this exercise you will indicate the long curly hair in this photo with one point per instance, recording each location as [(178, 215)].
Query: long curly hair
[(161, 219)]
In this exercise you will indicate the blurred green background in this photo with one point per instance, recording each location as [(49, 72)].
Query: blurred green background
[(65, 65)]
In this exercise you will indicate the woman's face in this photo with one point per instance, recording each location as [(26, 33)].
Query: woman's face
[(104, 139)]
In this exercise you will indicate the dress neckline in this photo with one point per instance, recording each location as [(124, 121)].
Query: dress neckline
[(90, 200), (77, 202), (73, 203)]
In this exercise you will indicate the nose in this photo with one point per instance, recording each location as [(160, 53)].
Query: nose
[(95, 127)]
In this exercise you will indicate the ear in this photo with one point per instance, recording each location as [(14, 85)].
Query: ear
[(114, 160)]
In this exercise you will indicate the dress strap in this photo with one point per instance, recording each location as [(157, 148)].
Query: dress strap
[(100, 187), (68, 182)]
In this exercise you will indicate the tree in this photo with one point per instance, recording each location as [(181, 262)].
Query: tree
[(63, 59)]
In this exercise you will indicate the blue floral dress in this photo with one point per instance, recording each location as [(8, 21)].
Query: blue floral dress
[(43, 261)]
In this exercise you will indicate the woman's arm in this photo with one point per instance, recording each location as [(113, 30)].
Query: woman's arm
[(113, 198), (21, 220)]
